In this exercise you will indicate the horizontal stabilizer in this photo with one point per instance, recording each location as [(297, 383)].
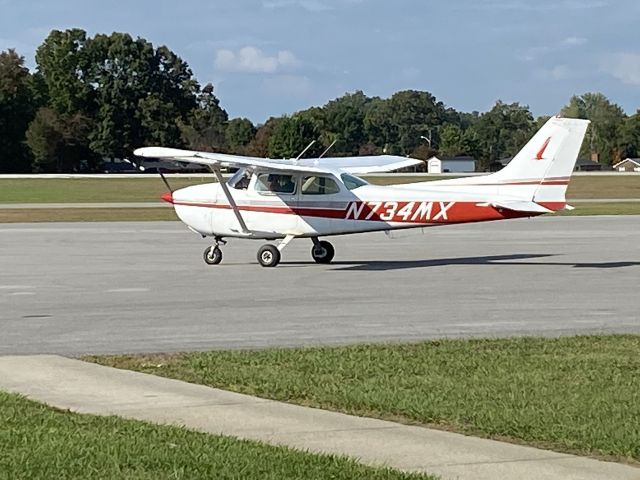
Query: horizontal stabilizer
[(519, 206)]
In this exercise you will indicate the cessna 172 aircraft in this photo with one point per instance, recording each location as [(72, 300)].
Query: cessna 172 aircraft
[(312, 198)]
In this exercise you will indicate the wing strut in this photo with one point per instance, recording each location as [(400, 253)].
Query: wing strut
[(232, 202)]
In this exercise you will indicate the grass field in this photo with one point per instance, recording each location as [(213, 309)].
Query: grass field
[(617, 208), (86, 215), (578, 394), (89, 190), (38, 442), (149, 189)]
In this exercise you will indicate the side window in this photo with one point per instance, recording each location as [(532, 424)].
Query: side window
[(315, 185), (275, 183)]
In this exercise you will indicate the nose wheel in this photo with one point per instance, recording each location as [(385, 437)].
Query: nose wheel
[(213, 255), (322, 251)]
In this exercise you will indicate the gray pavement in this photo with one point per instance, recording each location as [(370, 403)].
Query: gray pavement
[(141, 287), (87, 388)]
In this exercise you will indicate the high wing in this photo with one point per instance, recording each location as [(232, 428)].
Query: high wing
[(356, 165)]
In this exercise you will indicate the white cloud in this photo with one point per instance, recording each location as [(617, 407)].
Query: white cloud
[(574, 41), (623, 66), (253, 60), (541, 6), (309, 5), (532, 53)]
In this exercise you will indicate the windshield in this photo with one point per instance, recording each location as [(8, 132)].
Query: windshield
[(352, 182), (240, 179)]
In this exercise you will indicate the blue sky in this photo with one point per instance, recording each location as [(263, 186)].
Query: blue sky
[(270, 57)]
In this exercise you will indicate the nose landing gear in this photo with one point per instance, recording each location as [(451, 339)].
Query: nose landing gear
[(212, 254)]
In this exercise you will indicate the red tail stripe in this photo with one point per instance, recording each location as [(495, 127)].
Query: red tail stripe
[(544, 147)]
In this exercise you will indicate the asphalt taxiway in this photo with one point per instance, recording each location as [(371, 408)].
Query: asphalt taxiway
[(80, 288)]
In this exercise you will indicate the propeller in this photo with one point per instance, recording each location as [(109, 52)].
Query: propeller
[(164, 179), (140, 167)]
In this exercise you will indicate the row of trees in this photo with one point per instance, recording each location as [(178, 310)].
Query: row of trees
[(97, 98)]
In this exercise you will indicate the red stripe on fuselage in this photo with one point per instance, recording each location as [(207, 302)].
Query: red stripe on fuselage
[(413, 212)]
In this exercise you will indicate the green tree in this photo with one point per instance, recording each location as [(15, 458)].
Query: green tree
[(239, 133), (605, 133), (398, 123), (451, 140), (343, 121), (259, 146), (204, 128), (502, 131), (63, 63), (379, 127), (132, 93), (58, 142), (290, 137), (631, 136), (122, 70), (17, 108)]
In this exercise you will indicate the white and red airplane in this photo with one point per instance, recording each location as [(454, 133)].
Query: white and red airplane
[(312, 198)]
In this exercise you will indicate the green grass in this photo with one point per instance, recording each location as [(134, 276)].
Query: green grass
[(86, 215), (578, 394), (149, 189), (38, 442), (89, 190), (618, 208)]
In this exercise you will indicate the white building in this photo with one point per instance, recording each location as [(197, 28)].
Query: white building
[(628, 165)]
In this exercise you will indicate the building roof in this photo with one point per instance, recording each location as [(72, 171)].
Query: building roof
[(632, 160), (459, 158)]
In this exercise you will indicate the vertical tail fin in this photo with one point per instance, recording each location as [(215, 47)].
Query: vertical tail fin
[(546, 162)]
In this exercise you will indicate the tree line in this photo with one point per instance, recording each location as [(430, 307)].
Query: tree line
[(91, 99)]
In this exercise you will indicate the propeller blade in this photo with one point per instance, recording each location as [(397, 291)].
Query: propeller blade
[(164, 179)]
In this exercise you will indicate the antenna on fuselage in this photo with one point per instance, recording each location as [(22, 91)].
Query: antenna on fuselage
[(328, 148), (305, 150)]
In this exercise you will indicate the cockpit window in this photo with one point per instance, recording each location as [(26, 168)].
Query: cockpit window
[(316, 185), (352, 182), (240, 179), (275, 183)]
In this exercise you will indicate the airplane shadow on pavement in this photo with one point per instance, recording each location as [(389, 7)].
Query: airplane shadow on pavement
[(516, 259)]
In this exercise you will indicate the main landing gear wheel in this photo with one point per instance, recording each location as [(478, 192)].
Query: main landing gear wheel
[(269, 255), (322, 252), (213, 255)]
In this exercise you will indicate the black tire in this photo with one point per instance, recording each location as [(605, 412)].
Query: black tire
[(212, 255), (323, 252), (268, 255)]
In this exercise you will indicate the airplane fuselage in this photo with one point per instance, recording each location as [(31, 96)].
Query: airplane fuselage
[(367, 208)]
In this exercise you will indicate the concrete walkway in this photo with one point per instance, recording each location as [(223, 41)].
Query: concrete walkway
[(88, 388)]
